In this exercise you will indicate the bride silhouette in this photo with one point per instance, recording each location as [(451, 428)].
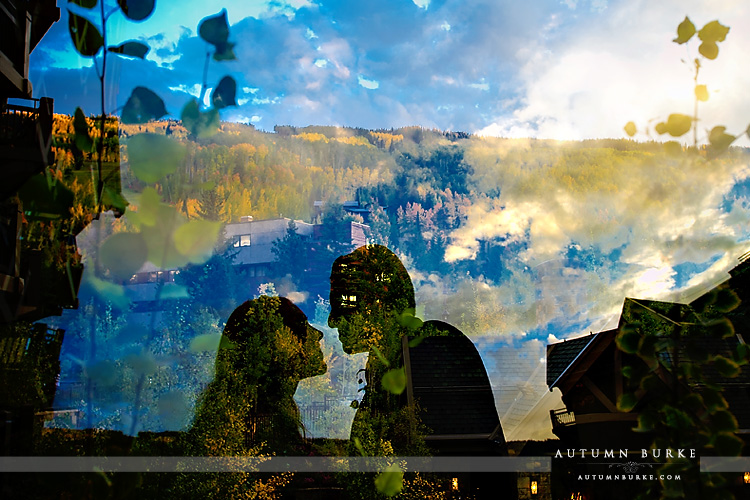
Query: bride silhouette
[(267, 347)]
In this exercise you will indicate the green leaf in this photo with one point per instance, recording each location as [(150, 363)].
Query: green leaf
[(719, 140), (143, 105), (627, 371), (714, 400), (172, 407), (713, 32), (137, 10), (358, 445), (723, 421), (627, 340), (205, 342), (651, 382), (626, 401), (224, 52), (701, 93), (148, 207), (673, 148), (630, 129), (142, 364), (742, 354), (131, 48), (103, 373), (693, 402), (110, 292), (728, 445), (224, 93), (647, 347), (152, 156), (709, 50), (123, 254), (86, 37), (678, 124), (380, 356), (721, 328), (215, 29), (86, 4), (726, 367), (390, 481), (394, 381), (696, 353), (409, 320), (160, 238), (173, 291), (646, 422), (676, 418), (200, 124), (114, 199), (685, 31), (196, 239), (44, 198), (81, 128), (726, 300)]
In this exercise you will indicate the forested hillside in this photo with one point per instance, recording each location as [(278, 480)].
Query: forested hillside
[(454, 206)]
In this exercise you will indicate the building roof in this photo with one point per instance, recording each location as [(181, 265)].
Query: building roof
[(560, 356)]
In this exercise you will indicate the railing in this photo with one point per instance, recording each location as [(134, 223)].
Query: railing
[(27, 126), (561, 418)]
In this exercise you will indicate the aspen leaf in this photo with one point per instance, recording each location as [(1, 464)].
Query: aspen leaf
[(709, 50), (678, 124), (123, 254), (131, 48), (713, 32), (701, 93), (224, 93), (81, 128), (196, 239), (152, 156), (394, 381), (205, 342), (86, 4), (142, 106), (214, 29), (685, 31), (630, 129), (390, 481), (86, 37), (137, 10), (626, 402)]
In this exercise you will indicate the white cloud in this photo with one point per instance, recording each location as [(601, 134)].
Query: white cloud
[(366, 83), (481, 86), (193, 90), (623, 66)]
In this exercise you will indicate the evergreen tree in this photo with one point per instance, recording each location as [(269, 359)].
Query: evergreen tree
[(291, 254), (211, 206)]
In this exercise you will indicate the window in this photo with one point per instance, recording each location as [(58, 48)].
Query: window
[(349, 301), (242, 240)]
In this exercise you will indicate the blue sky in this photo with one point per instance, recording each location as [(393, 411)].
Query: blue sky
[(559, 69), (571, 69)]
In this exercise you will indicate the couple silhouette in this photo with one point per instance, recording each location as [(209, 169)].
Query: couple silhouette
[(268, 346)]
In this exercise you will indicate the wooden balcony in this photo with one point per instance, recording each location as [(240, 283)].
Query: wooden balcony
[(561, 418), (25, 140)]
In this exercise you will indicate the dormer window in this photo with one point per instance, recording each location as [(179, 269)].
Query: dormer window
[(242, 240)]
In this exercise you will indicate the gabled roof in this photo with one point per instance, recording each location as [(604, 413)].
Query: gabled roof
[(561, 355)]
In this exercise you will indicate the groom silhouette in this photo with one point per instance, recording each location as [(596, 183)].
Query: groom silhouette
[(372, 306)]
